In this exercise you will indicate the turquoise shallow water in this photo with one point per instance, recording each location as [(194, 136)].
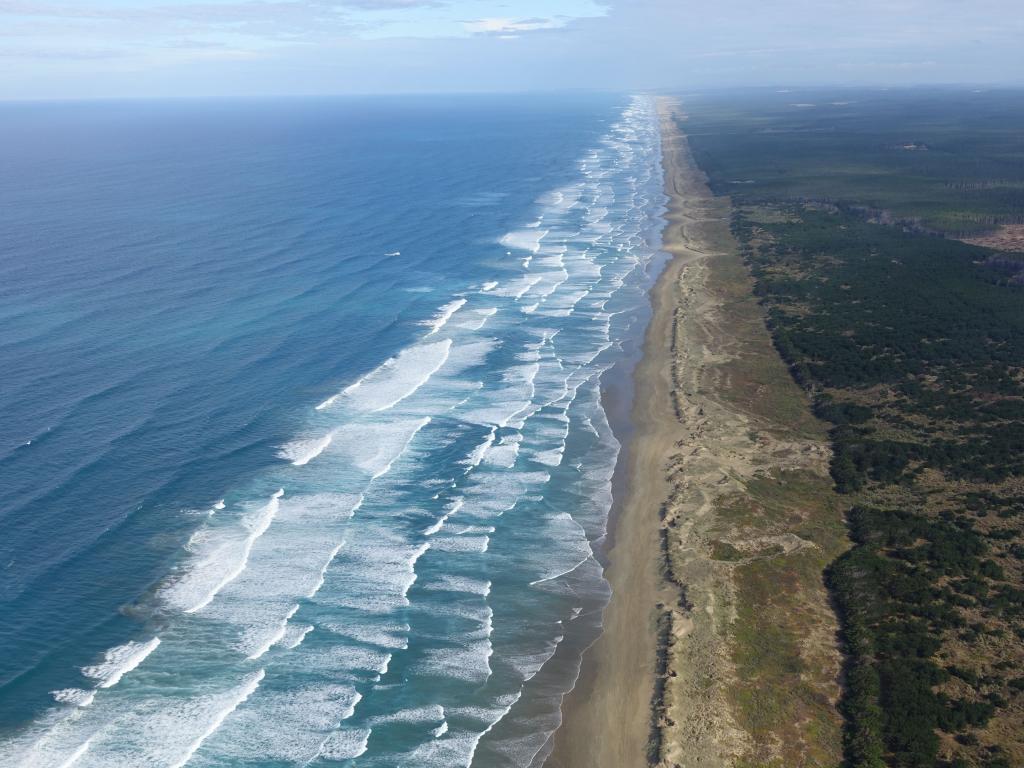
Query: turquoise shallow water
[(303, 448)]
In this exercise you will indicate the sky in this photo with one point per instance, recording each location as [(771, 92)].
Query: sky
[(156, 48)]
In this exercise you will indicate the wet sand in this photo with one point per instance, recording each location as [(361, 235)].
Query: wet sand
[(726, 494), (607, 716)]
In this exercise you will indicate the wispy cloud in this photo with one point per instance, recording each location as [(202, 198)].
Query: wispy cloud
[(505, 26), (252, 46)]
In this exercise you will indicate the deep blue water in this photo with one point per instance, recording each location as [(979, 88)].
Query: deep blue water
[(302, 454)]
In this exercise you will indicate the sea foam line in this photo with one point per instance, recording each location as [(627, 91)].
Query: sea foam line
[(75, 756), (119, 661), (278, 634), (453, 509), (474, 459), (262, 524), (243, 693), (563, 573), (444, 315), (78, 697), (301, 452), (396, 378), (387, 467)]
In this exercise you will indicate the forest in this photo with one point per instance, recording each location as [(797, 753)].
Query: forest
[(910, 343)]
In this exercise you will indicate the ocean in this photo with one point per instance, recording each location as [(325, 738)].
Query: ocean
[(305, 451)]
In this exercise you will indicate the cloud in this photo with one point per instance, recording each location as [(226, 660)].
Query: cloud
[(339, 46), (501, 26)]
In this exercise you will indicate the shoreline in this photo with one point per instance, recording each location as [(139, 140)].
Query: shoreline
[(606, 717), (726, 495)]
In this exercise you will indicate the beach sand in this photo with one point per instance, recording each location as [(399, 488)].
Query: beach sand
[(607, 716), (703, 661)]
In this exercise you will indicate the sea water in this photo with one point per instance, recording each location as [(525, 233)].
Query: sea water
[(303, 451)]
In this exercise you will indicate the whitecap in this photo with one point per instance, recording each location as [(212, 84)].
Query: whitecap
[(224, 558), (480, 451), (119, 661), (301, 452), (77, 754), (78, 697), (345, 744), (395, 379), (375, 448), (444, 315)]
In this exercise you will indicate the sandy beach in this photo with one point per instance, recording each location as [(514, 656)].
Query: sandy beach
[(607, 717), (726, 493)]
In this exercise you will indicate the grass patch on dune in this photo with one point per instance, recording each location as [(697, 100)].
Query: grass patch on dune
[(782, 639)]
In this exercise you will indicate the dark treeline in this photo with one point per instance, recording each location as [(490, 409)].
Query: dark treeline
[(913, 353), (951, 160), (911, 345)]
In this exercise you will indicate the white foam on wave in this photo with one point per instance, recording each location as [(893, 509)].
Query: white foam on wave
[(495, 493), (387, 467), (348, 662), (391, 635), (395, 379), (430, 713), (462, 530), (529, 664), (374, 448), (377, 573), (119, 661), (524, 239), (550, 458), (301, 452), (502, 406), (462, 543), (519, 287), (275, 637), (478, 319), (474, 458), (569, 536), (78, 697), (230, 703), (75, 756), (223, 559), (468, 660), (294, 635), (505, 703), (489, 286), (505, 452), (323, 571), (452, 509), (287, 565), (287, 725), (345, 744), (444, 315), (449, 583)]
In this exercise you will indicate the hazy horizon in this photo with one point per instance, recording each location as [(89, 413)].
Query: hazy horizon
[(181, 48)]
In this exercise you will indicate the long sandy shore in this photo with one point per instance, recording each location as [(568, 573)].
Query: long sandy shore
[(607, 717), (702, 661)]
